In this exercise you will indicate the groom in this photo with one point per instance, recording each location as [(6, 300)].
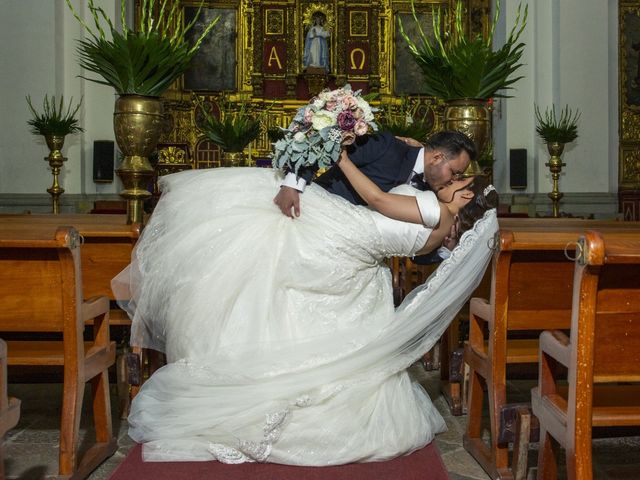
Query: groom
[(388, 161)]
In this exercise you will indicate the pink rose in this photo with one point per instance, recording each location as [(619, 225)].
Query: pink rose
[(331, 105), (349, 103), (358, 113), (361, 127), (346, 121)]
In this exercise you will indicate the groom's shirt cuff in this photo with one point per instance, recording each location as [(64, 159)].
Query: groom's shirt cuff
[(290, 180)]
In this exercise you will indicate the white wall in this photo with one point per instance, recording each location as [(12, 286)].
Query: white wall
[(37, 47), (570, 58)]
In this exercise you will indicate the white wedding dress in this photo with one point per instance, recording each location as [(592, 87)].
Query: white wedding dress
[(282, 341)]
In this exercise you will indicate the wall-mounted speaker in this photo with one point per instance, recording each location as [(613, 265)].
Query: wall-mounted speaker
[(518, 168), (103, 153)]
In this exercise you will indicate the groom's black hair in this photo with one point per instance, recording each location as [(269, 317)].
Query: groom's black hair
[(452, 142)]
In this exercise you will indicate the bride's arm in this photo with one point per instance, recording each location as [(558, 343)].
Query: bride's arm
[(399, 207)]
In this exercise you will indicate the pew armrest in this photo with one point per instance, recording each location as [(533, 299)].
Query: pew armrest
[(555, 344), (480, 308), (94, 307)]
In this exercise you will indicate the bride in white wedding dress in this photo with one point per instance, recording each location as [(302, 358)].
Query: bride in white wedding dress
[(282, 341)]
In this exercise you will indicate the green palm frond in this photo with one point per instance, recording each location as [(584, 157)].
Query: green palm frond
[(54, 119), (144, 61), (462, 67), (562, 129), (235, 129)]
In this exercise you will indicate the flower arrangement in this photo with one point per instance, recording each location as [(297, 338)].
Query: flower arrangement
[(234, 130), (316, 134), (54, 120), (557, 130), (141, 61), (460, 67)]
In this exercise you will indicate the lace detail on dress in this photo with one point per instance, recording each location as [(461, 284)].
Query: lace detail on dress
[(226, 454), (249, 451)]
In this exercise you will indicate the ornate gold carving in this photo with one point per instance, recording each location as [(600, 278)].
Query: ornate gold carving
[(630, 168), (630, 125), (358, 23), (325, 9), (172, 154), (258, 21), (274, 21)]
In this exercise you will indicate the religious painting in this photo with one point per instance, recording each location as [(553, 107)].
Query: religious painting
[(632, 56), (408, 78), (213, 68), (318, 24)]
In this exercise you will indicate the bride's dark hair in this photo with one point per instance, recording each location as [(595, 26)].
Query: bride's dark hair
[(485, 197)]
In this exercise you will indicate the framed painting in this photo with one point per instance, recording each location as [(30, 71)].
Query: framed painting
[(213, 68), (408, 78)]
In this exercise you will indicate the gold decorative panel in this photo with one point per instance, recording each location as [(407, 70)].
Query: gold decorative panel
[(358, 23), (274, 21)]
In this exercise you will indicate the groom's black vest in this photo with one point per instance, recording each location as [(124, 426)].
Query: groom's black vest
[(387, 161)]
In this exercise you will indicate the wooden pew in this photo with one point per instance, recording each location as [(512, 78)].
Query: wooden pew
[(531, 291), (107, 243), (41, 293), (602, 356), (9, 406)]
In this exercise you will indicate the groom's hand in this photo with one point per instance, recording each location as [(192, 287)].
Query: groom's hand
[(288, 199), (451, 240), (410, 141)]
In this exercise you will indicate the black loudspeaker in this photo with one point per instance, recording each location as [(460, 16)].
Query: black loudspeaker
[(103, 161), (518, 168)]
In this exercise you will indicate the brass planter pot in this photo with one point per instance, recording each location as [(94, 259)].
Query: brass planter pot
[(473, 118), (137, 122), (55, 159), (233, 159)]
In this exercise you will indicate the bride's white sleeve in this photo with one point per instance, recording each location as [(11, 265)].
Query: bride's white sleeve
[(429, 208)]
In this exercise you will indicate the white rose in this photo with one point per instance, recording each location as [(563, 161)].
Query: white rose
[(323, 119), (299, 137)]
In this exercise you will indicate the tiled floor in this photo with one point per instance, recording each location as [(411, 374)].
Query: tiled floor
[(31, 449)]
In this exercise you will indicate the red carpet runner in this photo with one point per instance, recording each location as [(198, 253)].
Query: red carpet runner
[(425, 464)]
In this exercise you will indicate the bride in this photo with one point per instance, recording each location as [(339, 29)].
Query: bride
[(281, 338)]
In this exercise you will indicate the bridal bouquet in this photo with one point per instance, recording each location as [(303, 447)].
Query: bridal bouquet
[(331, 119)]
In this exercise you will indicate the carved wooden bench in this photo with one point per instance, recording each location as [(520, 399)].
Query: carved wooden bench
[(43, 308), (107, 243), (531, 290), (602, 356)]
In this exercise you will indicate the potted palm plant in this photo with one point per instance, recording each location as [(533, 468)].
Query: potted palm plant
[(556, 131), (140, 63), (233, 130), (405, 120), (54, 123), (467, 72)]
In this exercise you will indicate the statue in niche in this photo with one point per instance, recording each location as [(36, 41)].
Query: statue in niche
[(316, 45)]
